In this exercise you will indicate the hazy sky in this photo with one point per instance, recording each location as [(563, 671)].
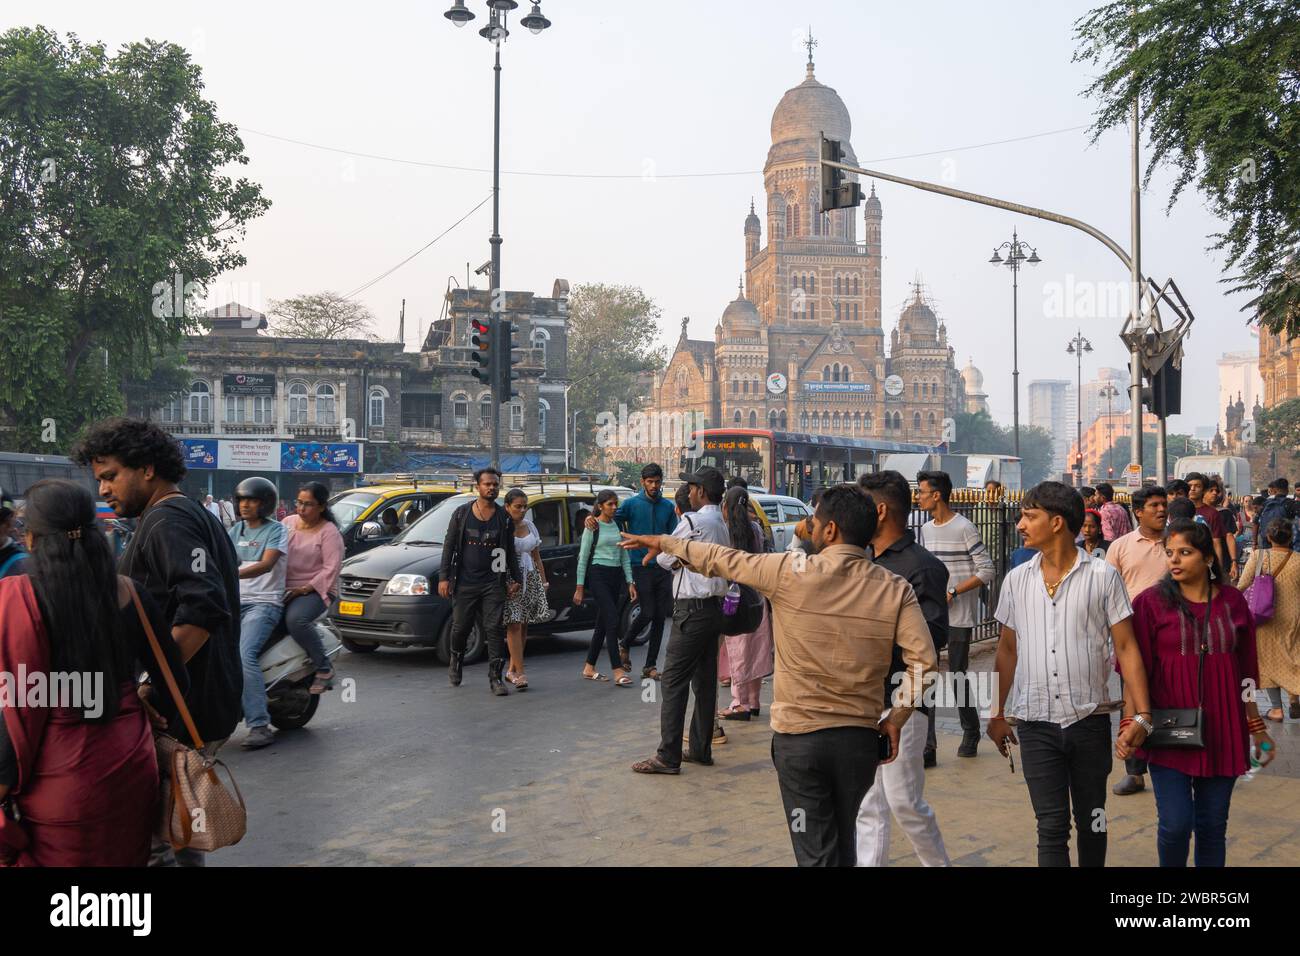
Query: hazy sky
[(617, 100)]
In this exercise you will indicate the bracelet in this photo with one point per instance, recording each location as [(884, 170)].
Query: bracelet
[(1145, 724)]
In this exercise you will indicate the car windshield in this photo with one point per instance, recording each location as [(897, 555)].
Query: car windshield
[(432, 528), (349, 506)]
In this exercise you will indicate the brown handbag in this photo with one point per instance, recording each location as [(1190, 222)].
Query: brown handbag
[(197, 810)]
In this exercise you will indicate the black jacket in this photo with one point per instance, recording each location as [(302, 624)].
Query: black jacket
[(455, 543)]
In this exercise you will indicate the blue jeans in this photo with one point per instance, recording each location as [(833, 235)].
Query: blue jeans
[(256, 622), (1185, 804), (299, 614)]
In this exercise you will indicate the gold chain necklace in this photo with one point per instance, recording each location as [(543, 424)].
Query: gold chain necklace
[(1051, 588)]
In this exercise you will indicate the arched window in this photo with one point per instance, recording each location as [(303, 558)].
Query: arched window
[(855, 312), (931, 421), (753, 418), (835, 422), (376, 406), (540, 337), (826, 421), (297, 404), (916, 390), (325, 404), (803, 421), (200, 403), (812, 283), (848, 374), (826, 373), (771, 420), (783, 426), (857, 423), (460, 410), (736, 418), (916, 421), (543, 406), (837, 284), (791, 220), (485, 411), (812, 309), (835, 372)]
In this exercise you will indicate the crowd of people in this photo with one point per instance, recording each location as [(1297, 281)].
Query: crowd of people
[(1189, 598)]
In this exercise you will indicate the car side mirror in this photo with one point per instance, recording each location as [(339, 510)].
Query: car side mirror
[(371, 529)]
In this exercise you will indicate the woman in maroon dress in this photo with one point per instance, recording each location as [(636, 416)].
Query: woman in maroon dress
[(1190, 609), (78, 778)]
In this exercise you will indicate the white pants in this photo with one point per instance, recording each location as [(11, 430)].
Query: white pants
[(899, 787)]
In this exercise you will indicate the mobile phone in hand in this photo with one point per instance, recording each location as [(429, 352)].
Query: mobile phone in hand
[(883, 750)]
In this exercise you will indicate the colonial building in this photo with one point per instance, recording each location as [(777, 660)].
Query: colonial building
[(285, 407), (1279, 367), (802, 346)]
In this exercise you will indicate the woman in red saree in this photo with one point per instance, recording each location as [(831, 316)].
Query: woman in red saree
[(78, 777)]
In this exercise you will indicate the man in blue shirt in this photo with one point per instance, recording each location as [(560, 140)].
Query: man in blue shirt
[(647, 513)]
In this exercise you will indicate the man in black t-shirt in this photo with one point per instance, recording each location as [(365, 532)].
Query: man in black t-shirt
[(479, 571), (183, 557)]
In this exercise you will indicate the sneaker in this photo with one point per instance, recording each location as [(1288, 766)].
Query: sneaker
[(258, 737), (930, 759), (1131, 783), (969, 745)]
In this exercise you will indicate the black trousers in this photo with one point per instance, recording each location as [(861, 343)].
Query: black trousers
[(691, 664), (1066, 769), (609, 591), (958, 662), (823, 776), (654, 592), (484, 605)]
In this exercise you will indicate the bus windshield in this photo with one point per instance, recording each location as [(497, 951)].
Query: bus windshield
[(749, 456)]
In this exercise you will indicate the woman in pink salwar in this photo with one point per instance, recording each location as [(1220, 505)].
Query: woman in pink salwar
[(748, 656)]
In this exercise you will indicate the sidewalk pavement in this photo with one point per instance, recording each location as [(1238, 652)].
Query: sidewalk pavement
[(591, 809)]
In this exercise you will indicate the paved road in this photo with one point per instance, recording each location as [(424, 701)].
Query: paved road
[(417, 772)]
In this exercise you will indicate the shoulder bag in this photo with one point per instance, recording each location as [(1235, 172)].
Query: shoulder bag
[(197, 811), (1183, 728), (1260, 594)]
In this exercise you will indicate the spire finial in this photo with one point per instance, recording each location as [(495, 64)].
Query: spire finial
[(810, 43), (751, 205), (740, 288)]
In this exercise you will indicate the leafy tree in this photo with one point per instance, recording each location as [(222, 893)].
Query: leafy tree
[(612, 332), (1218, 85), (1279, 425), (168, 379), (321, 315), (978, 433), (627, 473), (116, 210)]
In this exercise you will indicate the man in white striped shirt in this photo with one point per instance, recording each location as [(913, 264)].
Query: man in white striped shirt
[(954, 540), (1059, 611)]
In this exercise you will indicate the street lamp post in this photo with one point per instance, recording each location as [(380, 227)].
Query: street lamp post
[(1078, 345), (496, 32), (1016, 254), (1109, 392)]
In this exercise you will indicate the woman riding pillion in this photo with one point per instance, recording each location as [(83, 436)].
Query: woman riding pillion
[(312, 575)]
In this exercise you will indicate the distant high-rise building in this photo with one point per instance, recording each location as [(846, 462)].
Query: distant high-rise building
[(1094, 401), (1238, 380), (1051, 408)]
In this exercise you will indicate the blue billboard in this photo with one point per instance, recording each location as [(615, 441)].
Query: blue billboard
[(199, 452), (335, 457)]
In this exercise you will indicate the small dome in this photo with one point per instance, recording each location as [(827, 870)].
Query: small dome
[(919, 319), (873, 203), (751, 221), (741, 312), (973, 378)]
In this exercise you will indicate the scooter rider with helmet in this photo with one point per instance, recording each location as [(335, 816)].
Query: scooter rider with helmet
[(12, 554), (261, 543)]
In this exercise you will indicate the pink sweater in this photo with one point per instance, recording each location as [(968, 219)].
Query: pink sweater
[(314, 558)]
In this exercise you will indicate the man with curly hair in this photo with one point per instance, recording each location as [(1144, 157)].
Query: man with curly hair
[(182, 556)]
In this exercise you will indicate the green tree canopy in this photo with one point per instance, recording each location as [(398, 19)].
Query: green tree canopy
[(612, 332), (1218, 85), (1279, 425), (978, 433), (116, 210)]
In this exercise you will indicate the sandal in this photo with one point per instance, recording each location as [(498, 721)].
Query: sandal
[(655, 765), (595, 676), (1278, 718), (624, 681), (324, 681), (735, 713), (519, 680), (650, 673)]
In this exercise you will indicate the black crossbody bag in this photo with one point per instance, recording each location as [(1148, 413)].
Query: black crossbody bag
[(1183, 728)]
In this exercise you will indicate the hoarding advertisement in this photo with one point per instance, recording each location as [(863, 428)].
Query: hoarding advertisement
[(199, 452), (314, 456), (249, 455)]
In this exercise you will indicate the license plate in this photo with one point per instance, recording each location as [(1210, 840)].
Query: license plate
[(352, 608)]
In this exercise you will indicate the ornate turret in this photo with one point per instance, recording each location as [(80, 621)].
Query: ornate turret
[(751, 233)]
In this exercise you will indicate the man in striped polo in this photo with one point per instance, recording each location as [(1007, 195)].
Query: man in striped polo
[(955, 541)]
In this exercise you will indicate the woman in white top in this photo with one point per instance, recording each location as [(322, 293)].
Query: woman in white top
[(528, 606)]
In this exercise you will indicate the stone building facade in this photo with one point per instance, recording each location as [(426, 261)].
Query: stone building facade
[(802, 346), (1279, 367)]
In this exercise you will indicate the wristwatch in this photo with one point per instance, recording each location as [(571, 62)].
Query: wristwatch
[(952, 592)]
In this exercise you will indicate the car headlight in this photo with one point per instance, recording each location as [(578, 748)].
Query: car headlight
[(407, 584)]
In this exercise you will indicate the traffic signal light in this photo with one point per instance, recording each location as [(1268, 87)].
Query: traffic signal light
[(505, 346), (1164, 396), (481, 340), (836, 193)]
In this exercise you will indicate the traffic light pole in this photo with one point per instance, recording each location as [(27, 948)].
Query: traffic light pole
[(494, 304), (1134, 329)]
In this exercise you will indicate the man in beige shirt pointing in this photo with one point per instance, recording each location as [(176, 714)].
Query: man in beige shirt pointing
[(836, 617)]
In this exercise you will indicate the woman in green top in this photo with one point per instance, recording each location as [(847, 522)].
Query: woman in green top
[(610, 570)]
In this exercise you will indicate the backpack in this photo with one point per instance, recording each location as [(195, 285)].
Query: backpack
[(1277, 508), (749, 611), (9, 558)]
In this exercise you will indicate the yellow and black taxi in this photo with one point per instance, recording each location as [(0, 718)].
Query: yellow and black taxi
[(388, 595), (376, 513)]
